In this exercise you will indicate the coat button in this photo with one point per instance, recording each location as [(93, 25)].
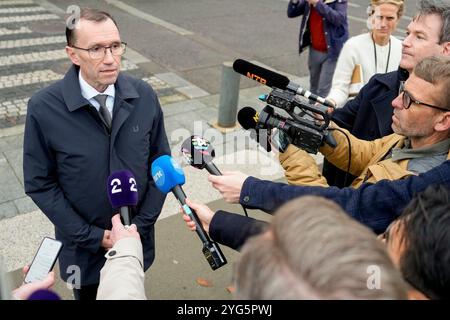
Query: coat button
[(246, 199), (112, 253)]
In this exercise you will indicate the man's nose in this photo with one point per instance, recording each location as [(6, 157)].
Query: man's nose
[(108, 58), (398, 102), (406, 41)]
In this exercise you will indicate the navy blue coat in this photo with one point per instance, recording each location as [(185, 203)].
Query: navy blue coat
[(375, 205), (369, 115), (69, 154)]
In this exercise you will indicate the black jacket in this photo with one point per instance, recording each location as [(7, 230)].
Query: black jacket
[(69, 154)]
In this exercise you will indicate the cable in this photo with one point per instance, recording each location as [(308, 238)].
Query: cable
[(349, 153), (245, 211)]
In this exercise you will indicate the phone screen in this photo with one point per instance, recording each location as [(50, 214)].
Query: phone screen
[(44, 260)]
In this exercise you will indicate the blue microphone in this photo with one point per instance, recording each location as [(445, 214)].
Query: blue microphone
[(122, 193), (169, 176)]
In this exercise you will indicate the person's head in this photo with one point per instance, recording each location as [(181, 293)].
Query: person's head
[(419, 242), (313, 250), (86, 42), (384, 17), (422, 109), (428, 33)]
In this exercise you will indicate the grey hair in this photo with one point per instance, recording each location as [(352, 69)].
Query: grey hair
[(441, 8), (313, 250)]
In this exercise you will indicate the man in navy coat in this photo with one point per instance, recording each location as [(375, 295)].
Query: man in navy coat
[(81, 129), (374, 205)]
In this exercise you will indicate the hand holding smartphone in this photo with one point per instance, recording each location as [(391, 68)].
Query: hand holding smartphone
[(44, 260)]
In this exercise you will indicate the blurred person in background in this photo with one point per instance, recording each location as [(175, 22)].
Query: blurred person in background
[(323, 29), (362, 56)]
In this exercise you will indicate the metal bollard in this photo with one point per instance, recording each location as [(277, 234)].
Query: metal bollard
[(229, 95)]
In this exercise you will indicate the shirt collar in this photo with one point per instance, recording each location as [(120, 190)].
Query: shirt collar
[(89, 92), (406, 152)]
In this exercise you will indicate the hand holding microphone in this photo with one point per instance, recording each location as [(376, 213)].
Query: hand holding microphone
[(123, 193), (199, 153), (169, 176), (204, 213), (120, 231), (229, 185)]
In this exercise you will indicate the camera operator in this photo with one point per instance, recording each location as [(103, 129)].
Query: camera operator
[(369, 115), (421, 122), (421, 115)]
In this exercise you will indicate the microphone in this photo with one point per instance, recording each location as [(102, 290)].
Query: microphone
[(122, 193), (274, 79), (44, 294), (248, 119), (199, 153), (169, 176)]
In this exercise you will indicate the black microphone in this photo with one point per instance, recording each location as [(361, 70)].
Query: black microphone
[(199, 153), (248, 119), (122, 193), (274, 79)]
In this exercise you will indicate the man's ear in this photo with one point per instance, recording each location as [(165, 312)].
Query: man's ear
[(443, 123), (72, 55), (446, 49)]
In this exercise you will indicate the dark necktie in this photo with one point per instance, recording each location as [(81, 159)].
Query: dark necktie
[(104, 112)]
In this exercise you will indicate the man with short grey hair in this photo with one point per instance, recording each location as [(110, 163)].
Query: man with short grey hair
[(313, 250)]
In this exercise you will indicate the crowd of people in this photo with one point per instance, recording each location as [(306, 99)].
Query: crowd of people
[(373, 224)]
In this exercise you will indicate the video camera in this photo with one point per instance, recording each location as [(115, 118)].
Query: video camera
[(307, 127)]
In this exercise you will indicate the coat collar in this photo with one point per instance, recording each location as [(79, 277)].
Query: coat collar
[(72, 91), (388, 78), (381, 104)]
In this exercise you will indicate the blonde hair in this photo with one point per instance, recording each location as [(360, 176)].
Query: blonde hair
[(399, 3)]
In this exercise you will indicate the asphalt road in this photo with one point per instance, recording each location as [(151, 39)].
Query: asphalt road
[(193, 38)]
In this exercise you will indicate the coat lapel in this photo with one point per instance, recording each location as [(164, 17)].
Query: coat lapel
[(122, 106), (383, 111)]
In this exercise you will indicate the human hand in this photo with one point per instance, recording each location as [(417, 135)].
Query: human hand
[(26, 289), (204, 213), (106, 241), (229, 185), (119, 231), (312, 2)]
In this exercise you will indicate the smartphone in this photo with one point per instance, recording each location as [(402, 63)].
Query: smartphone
[(44, 260)]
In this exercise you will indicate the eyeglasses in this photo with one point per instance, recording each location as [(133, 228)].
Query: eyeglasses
[(407, 100), (98, 52)]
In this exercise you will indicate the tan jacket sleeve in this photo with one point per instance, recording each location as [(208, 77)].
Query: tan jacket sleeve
[(300, 168), (362, 151), (122, 276)]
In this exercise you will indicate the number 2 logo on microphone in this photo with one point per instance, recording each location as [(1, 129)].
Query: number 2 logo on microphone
[(116, 185)]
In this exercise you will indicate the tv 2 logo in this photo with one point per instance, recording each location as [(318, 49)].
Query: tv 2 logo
[(116, 183)]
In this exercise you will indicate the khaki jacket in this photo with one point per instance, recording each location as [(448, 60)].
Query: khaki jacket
[(366, 161), (122, 276)]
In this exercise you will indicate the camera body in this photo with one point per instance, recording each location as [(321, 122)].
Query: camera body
[(307, 127)]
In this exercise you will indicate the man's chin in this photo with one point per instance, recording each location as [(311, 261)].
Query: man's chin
[(407, 62)]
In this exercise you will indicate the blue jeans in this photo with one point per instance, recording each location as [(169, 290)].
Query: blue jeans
[(321, 70)]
